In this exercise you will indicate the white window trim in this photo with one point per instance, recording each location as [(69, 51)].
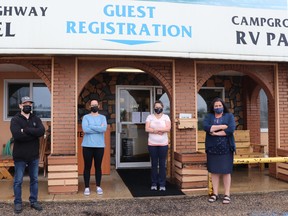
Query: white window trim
[(217, 88), (6, 81)]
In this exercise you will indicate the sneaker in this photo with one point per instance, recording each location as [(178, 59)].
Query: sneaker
[(162, 188), (36, 206), (87, 192), (153, 187), (18, 208), (99, 191)]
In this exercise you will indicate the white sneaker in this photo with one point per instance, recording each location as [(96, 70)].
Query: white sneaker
[(162, 188), (153, 187), (87, 192), (99, 191)]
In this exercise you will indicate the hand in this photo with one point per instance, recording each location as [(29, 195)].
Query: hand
[(213, 133), (26, 130)]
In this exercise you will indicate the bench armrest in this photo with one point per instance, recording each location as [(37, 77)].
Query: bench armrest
[(261, 146)]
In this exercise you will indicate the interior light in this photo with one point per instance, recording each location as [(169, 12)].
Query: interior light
[(124, 70)]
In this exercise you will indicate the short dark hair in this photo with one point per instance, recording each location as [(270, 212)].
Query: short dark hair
[(211, 109), (160, 102)]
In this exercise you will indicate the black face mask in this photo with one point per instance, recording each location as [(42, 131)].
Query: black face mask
[(94, 109), (27, 109), (158, 110)]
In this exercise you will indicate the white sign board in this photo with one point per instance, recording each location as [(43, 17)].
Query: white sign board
[(244, 30)]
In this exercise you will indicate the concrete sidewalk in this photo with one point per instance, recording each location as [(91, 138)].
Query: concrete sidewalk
[(243, 181)]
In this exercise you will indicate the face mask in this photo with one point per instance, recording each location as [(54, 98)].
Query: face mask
[(26, 109), (94, 109), (158, 110), (218, 110)]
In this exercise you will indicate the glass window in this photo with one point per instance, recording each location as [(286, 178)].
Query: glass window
[(162, 96), (263, 110), (15, 92), (204, 98), (40, 93)]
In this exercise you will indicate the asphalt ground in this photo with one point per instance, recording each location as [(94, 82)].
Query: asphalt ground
[(257, 204)]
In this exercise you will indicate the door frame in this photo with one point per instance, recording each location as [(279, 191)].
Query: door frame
[(118, 163)]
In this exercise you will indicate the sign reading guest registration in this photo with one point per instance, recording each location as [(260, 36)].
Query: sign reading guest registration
[(247, 30)]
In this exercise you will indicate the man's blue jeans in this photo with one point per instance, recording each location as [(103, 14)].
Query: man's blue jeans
[(33, 167), (158, 155)]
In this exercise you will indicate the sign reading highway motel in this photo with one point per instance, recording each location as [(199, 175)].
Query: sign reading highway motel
[(242, 30)]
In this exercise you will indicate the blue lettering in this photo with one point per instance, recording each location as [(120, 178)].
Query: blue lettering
[(108, 11), (170, 30), (92, 29), (111, 28), (131, 29), (117, 28), (141, 12), (70, 27), (120, 13), (144, 30), (187, 31), (120, 25), (82, 27), (156, 29), (164, 30), (151, 11), (131, 12)]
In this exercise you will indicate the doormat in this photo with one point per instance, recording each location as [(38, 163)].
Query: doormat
[(138, 182)]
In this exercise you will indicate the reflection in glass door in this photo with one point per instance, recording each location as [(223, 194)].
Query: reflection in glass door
[(134, 104)]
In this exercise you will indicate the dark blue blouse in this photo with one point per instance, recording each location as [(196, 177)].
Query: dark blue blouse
[(227, 119)]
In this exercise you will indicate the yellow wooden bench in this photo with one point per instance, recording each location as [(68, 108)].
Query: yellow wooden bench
[(244, 149), (5, 163)]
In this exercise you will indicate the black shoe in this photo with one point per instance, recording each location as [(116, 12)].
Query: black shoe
[(18, 208), (36, 206)]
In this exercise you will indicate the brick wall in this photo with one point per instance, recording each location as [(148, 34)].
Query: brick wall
[(185, 99), (64, 106)]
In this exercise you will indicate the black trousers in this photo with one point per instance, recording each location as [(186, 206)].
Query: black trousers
[(89, 154)]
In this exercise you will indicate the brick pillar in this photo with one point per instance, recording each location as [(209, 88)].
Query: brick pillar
[(185, 99), (63, 176)]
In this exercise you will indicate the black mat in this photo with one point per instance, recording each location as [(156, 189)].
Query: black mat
[(138, 182)]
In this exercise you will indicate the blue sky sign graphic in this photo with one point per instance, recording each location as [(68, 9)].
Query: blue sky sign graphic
[(261, 4)]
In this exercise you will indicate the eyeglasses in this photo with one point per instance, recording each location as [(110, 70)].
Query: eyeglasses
[(94, 105), (158, 108)]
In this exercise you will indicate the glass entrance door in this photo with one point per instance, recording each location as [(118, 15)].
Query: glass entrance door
[(133, 106)]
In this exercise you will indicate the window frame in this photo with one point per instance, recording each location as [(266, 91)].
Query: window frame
[(222, 89), (5, 98), (264, 97)]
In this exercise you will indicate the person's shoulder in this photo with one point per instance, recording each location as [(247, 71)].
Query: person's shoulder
[(102, 116), (150, 116), (209, 115), (229, 114), (16, 116), (166, 116), (86, 115), (33, 116)]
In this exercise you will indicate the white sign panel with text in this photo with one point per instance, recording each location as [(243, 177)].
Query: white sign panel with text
[(191, 29)]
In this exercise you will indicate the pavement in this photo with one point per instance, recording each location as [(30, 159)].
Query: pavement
[(254, 193), (256, 204)]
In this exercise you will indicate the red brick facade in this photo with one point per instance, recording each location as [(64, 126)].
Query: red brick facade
[(181, 79)]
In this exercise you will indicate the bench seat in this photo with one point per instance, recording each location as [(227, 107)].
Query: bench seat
[(244, 149), (5, 163)]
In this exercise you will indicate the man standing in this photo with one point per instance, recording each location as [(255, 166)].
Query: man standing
[(26, 128)]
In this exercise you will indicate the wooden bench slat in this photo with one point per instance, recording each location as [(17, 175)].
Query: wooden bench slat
[(244, 149)]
